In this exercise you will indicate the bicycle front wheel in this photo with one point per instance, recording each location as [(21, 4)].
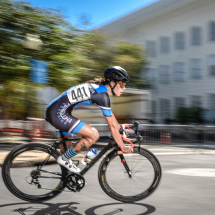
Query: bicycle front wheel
[(25, 179), (145, 175)]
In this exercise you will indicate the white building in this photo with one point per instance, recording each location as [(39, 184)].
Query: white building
[(180, 39)]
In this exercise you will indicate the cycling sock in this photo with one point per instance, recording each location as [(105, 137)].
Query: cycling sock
[(69, 154)]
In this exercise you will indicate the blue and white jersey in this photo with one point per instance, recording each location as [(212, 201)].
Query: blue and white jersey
[(86, 94)]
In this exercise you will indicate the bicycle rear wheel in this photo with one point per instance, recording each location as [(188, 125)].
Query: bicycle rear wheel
[(21, 166), (115, 181)]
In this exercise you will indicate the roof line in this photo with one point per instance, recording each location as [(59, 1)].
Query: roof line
[(144, 14)]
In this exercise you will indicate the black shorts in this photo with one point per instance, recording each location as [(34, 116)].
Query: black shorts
[(59, 115)]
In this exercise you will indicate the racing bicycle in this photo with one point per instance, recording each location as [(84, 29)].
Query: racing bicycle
[(123, 177)]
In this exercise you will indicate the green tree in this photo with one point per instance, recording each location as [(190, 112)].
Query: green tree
[(99, 55), (186, 115), (131, 57), (59, 38), (73, 55), (182, 115)]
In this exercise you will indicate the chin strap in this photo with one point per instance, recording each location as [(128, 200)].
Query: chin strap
[(112, 88)]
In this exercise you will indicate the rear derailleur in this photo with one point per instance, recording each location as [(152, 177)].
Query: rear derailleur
[(34, 178)]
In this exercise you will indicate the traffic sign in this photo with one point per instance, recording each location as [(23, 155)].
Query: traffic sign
[(39, 72)]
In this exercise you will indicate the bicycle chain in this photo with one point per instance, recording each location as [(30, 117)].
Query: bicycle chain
[(74, 182)]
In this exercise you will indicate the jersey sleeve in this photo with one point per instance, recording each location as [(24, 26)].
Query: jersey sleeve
[(103, 101)]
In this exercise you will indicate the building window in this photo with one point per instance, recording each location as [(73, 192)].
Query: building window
[(179, 102), (179, 40), (154, 111), (179, 72), (151, 76), (196, 101), (212, 101), (164, 108), (212, 31), (196, 36), (151, 48), (196, 69), (164, 72), (211, 65), (164, 45)]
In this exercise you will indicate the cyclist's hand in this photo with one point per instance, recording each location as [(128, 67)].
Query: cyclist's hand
[(127, 149)]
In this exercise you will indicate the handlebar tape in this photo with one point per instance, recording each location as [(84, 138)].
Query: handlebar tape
[(125, 126)]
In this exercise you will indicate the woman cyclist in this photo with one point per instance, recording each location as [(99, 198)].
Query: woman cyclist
[(59, 111)]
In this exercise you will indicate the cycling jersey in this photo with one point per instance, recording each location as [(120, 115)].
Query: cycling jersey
[(59, 111)]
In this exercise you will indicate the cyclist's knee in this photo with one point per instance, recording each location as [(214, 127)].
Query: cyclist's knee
[(96, 134)]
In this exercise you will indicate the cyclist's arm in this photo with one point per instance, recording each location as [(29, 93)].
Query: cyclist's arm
[(117, 124), (114, 129)]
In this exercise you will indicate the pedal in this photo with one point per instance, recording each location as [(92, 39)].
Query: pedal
[(73, 189)]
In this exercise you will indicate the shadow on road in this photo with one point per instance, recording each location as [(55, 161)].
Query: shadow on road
[(148, 209), (69, 209)]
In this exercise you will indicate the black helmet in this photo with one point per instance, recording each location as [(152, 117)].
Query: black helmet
[(116, 73)]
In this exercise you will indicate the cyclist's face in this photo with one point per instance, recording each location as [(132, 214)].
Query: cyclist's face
[(120, 87)]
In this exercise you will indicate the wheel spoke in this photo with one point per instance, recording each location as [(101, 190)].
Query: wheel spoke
[(125, 188), (25, 180)]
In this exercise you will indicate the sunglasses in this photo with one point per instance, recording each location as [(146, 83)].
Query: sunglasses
[(122, 84)]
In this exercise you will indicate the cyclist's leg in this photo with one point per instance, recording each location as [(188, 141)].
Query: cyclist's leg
[(51, 113), (68, 142), (89, 136), (60, 117)]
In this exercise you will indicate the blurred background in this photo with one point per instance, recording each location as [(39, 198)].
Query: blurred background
[(166, 46), (168, 49)]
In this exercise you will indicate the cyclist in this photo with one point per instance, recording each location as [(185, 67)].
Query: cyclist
[(59, 114)]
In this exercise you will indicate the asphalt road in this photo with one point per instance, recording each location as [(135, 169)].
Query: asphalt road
[(187, 187)]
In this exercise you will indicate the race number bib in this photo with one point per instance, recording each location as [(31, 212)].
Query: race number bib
[(79, 93)]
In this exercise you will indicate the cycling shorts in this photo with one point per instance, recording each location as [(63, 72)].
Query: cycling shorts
[(59, 115)]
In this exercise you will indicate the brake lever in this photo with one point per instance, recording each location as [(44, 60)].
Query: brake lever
[(123, 135), (140, 137), (124, 131), (135, 125)]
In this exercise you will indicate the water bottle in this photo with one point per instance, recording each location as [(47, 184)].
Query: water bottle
[(90, 155)]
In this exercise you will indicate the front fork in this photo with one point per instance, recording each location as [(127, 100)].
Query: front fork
[(123, 161)]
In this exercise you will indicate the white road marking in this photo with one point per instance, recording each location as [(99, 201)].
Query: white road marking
[(202, 172), (184, 153)]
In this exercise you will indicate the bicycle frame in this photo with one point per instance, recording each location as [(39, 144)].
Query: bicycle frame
[(110, 145), (99, 155)]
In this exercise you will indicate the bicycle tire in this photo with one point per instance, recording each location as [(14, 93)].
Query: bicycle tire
[(11, 174), (112, 175)]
